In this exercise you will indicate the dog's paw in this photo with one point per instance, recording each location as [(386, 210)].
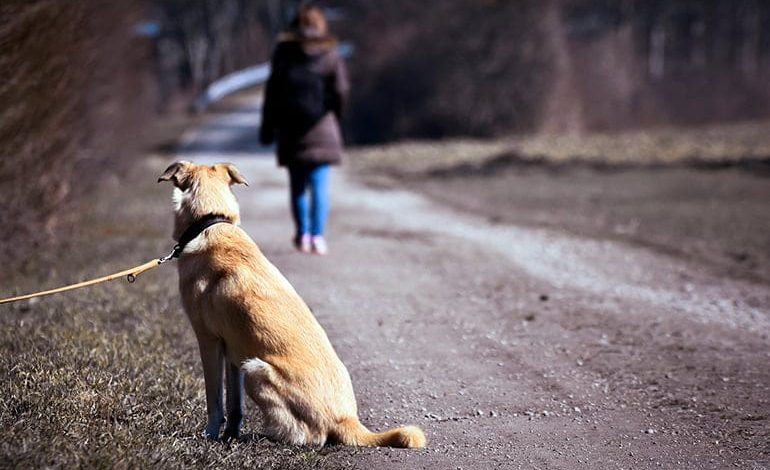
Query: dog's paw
[(212, 431), (231, 434)]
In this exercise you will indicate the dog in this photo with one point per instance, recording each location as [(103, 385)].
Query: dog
[(254, 329)]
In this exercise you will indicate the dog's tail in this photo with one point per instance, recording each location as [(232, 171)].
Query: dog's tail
[(350, 431)]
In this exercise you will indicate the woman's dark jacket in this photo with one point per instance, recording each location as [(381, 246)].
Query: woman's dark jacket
[(304, 97)]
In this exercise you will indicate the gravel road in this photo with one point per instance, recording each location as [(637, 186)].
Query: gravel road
[(515, 347)]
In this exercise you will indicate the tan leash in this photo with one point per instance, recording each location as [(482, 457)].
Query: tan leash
[(130, 274), (188, 235)]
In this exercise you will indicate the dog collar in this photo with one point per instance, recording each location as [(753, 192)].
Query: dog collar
[(195, 229)]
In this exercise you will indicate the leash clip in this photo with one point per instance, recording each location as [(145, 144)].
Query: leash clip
[(174, 253)]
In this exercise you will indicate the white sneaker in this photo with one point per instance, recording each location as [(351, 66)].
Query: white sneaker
[(319, 246), (303, 243)]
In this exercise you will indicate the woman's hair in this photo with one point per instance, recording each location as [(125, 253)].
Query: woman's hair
[(310, 22)]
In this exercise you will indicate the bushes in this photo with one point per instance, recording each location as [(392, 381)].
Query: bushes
[(81, 88), (71, 106), (447, 68), (479, 68)]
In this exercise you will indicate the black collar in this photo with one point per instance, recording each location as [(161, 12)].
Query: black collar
[(195, 229)]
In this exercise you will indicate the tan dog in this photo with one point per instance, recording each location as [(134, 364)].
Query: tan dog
[(252, 324)]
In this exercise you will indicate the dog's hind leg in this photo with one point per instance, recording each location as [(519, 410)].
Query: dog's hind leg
[(234, 378), (213, 359), (264, 386)]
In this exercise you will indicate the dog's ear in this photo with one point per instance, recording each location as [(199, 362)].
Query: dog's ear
[(176, 173), (235, 175)]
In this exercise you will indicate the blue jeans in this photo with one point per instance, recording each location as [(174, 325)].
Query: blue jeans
[(316, 177)]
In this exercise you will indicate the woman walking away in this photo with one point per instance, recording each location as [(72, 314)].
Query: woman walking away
[(303, 101)]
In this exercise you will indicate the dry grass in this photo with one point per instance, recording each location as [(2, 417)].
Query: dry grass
[(722, 144), (109, 376), (719, 143)]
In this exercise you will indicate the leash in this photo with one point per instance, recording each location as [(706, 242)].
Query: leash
[(131, 274)]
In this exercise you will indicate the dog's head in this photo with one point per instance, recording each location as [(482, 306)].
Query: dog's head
[(201, 190)]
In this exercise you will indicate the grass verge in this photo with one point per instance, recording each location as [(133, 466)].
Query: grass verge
[(712, 146), (109, 376)]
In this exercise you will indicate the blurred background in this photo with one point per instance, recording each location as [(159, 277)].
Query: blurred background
[(549, 238), (87, 86)]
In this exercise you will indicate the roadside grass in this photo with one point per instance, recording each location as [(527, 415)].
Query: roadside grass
[(708, 146), (109, 376)]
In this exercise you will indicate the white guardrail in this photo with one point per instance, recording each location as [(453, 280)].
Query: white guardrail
[(248, 77)]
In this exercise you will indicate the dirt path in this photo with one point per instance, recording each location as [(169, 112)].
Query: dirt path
[(516, 347)]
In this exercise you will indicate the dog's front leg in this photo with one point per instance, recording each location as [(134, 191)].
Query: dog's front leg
[(234, 376), (212, 357)]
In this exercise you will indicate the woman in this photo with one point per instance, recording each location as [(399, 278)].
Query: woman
[(303, 101)]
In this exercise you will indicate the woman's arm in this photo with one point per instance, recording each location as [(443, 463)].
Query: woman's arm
[(340, 86)]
